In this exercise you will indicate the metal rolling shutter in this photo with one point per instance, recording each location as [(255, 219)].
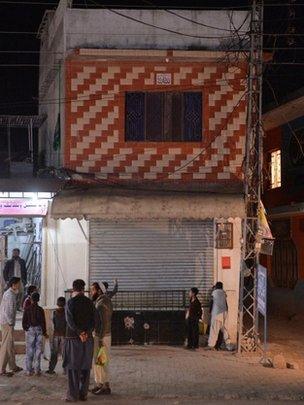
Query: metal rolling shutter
[(148, 255)]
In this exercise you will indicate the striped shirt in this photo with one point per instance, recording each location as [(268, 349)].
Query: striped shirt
[(8, 308)]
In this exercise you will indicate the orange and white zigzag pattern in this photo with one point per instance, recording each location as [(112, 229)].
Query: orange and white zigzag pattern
[(94, 130)]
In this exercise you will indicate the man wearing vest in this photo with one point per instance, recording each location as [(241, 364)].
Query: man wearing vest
[(15, 267)]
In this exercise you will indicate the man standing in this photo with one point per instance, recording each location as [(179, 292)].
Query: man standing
[(78, 347), (219, 312), (102, 337), (194, 315), (8, 310), (15, 267)]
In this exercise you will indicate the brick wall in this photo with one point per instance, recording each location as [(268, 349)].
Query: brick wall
[(95, 111)]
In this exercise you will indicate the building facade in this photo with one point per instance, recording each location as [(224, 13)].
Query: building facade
[(283, 198), (148, 126)]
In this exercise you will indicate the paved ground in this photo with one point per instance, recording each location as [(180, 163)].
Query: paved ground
[(164, 375), (286, 336)]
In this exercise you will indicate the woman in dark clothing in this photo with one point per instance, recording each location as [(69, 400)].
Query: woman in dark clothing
[(194, 315), (78, 347)]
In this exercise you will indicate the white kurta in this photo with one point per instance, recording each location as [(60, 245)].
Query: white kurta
[(219, 316)]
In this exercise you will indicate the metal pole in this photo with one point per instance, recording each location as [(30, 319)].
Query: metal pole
[(265, 326), (30, 140), (59, 116), (248, 315)]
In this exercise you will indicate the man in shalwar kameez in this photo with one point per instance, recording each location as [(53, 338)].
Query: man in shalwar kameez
[(219, 314), (79, 345)]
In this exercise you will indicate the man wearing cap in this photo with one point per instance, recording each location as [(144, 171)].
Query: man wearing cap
[(102, 338)]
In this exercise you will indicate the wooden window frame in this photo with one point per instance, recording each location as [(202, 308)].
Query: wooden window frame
[(277, 182), (167, 130)]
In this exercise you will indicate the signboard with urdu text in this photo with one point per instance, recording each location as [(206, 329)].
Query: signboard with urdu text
[(23, 207)]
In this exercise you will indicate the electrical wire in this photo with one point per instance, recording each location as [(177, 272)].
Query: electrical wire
[(41, 52), (128, 17), (125, 6), (114, 180), (121, 94), (174, 32), (119, 5), (191, 20), (269, 48), (228, 118)]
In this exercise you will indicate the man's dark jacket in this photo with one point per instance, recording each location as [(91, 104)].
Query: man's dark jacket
[(80, 316), (9, 270), (195, 309)]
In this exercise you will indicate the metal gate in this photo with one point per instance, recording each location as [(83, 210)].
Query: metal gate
[(153, 255), (285, 263)]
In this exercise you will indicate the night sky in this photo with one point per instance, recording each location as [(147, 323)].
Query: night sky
[(19, 85)]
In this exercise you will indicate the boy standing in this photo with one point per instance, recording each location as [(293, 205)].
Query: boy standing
[(33, 322), (30, 290), (59, 322), (194, 315)]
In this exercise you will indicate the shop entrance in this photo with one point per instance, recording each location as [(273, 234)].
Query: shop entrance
[(156, 263), (24, 233)]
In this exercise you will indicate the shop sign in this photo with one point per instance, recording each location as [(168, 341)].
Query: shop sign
[(262, 290), (23, 207)]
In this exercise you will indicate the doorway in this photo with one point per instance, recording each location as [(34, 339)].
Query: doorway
[(24, 233)]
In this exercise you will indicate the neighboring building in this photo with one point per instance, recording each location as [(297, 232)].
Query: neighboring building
[(284, 198), (157, 119), (24, 193)]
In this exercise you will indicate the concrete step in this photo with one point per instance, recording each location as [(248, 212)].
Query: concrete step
[(20, 347), (19, 335)]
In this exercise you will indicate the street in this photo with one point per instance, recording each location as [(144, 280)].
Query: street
[(159, 374)]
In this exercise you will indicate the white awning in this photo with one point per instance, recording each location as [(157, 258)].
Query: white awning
[(114, 204)]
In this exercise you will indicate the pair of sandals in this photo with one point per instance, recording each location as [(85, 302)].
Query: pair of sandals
[(10, 373)]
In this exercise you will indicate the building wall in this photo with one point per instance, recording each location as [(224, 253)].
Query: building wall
[(292, 190), (231, 277), (65, 29), (94, 125), (52, 105), (102, 28), (65, 251)]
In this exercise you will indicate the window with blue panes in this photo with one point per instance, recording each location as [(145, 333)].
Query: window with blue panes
[(163, 116)]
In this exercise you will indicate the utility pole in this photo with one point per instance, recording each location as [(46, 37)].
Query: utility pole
[(248, 314)]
